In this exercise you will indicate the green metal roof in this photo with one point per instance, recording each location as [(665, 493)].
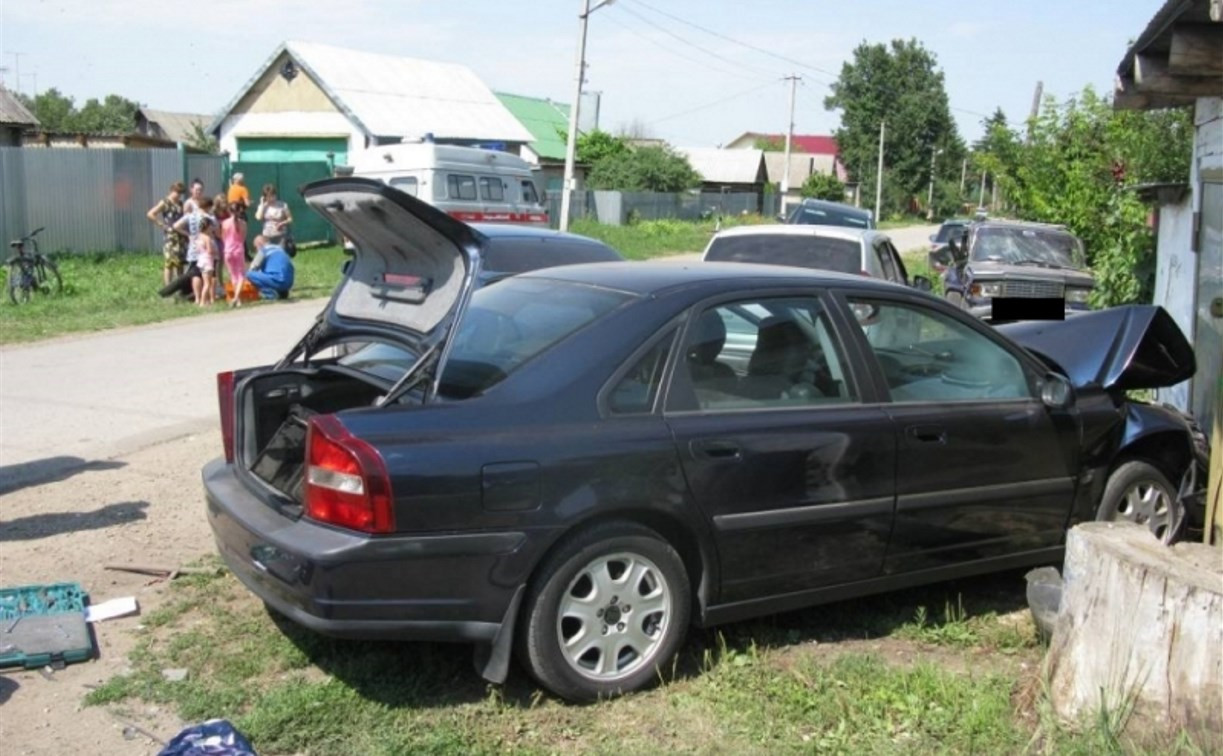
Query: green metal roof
[(546, 120)]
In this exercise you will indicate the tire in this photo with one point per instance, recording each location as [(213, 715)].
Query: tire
[(1138, 492), (957, 299), (17, 291), (585, 590), (49, 279)]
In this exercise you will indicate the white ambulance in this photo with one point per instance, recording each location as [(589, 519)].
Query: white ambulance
[(470, 184)]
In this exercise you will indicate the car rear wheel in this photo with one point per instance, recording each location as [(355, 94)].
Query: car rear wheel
[(1138, 492), (609, 609)]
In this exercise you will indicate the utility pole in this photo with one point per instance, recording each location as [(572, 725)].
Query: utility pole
[(879, 174), (571, 146), (1040, 88), (981, 198), (963, 176), (17, 68), (598, 103), (785, 176), (934, 152)]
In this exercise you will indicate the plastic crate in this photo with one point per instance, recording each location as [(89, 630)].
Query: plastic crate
[(43, 624)]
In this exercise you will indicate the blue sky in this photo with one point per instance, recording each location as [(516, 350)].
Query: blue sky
[(675, 81)]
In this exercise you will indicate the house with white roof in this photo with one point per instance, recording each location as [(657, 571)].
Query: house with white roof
[(311, 102)]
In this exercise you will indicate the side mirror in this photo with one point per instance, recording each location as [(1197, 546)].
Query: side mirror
[(956, 247), (921, 283), (934, 238), (1056, 392)]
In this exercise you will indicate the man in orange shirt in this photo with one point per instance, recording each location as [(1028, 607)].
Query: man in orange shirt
[(239, 196)]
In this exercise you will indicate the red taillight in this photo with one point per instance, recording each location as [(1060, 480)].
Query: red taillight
[(346, 480), (225, 400)]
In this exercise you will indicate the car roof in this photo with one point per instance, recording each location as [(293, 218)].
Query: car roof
[(649, 278), (514, 231), (1004, 223), (830, 205), (828, 232)]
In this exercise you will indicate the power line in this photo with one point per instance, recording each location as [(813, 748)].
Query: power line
[(749, 46), (708, 105), (676, 53), (691, 44)]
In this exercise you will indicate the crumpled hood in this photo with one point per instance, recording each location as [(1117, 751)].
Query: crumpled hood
[(1129, 347)]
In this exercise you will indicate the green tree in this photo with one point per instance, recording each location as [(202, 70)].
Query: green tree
[(770, 144), (1078, 165), (595, 145), (643, 169), (112, 115), (823, 186), (901, 83), (53, 110), (202, 140)]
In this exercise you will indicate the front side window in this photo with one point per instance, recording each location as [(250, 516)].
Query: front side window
[(927, 356), (759, 354), (491, 189), (529, 194), (460, 187)]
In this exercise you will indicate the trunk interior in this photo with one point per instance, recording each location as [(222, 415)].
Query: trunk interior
[(273, 411)]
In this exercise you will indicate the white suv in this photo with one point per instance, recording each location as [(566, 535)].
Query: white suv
[(845, 250)]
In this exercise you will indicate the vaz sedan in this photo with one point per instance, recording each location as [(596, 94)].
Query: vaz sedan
[(576, 464)]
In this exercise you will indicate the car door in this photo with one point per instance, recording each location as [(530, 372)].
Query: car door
[(984, 468), (794, 470)]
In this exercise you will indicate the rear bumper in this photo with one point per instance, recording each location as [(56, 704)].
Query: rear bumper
[(344, 584)]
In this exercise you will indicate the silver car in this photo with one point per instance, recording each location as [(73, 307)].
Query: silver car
[(844, 250)]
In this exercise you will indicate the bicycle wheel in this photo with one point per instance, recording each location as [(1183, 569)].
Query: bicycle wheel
[(18, 288), (49, 280)]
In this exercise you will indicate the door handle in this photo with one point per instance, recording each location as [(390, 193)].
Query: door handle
[(716, 449), (927, 434)]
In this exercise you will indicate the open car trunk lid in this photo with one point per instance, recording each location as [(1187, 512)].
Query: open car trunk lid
[(1128, 347), (413, 266)]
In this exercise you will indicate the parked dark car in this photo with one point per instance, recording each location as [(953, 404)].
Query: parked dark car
[(813, 212), (510, 249), (1007, 259), (576, 464)]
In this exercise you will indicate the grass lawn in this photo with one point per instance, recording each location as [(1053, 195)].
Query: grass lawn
[(947, 669), (107, 290), (656, 238)]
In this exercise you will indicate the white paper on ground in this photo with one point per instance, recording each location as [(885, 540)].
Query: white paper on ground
[(120, 607)]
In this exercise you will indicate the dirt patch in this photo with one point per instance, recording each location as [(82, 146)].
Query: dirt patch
[(143, 508)]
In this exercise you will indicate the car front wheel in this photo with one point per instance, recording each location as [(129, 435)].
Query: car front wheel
[(609, 609), (1138, 492)]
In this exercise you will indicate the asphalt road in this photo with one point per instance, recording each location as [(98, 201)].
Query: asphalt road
[(69, 402)]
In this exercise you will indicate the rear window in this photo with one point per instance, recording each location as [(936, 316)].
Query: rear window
[(823, 216), (508, 324), (813, 252), (520, 255)]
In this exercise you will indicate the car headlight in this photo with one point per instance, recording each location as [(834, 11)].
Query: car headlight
[(1078, 296), (987, 289)]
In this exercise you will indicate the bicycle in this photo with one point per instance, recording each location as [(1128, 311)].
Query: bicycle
[(31, 271)]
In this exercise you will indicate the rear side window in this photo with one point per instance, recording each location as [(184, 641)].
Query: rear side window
[(491, 189), (460, 187), (508, 324), (528, 193), (886, 263), (636, 392), (814, 252), (406, 184), (520, 255)]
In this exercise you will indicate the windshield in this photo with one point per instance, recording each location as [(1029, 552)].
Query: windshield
[(841, 255), (503, 328), (946, 231), (1037, 245), (808, 215)]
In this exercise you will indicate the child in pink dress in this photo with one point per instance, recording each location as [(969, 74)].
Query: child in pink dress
[(206, 248), (233, 239)]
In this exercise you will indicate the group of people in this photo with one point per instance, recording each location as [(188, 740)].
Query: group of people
[(201, 232)]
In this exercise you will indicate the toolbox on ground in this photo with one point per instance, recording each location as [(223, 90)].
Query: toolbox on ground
[(43, 624)]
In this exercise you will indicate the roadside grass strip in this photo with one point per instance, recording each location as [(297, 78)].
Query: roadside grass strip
[(878, 675)]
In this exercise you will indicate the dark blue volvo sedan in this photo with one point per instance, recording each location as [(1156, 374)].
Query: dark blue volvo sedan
[(576, 464)]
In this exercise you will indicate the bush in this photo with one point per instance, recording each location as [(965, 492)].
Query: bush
[(824, 186)]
